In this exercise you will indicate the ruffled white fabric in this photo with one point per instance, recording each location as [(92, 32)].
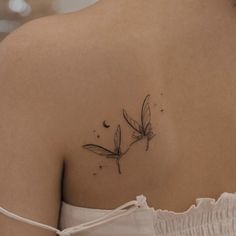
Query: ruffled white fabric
[(207, 218)]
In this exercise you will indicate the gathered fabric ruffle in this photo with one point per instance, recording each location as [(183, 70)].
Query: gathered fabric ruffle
[(209, 217)]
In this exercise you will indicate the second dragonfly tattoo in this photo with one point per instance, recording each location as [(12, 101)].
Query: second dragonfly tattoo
[(140, 131)]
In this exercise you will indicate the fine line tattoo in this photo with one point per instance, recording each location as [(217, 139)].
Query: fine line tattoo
[(144, 130), (116, 154)]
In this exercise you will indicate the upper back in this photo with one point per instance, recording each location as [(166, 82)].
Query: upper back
[(93, 64)]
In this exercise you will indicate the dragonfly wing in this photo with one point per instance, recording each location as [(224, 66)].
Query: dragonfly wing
[(146, 112), (98, 149), (134, 124), (148, 128), (117, 138), (114, 155), (150, 135)]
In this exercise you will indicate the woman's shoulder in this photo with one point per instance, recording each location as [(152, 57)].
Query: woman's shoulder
[(64, 28), (45, 68)]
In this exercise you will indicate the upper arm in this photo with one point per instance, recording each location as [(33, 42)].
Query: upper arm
[(30, 145)]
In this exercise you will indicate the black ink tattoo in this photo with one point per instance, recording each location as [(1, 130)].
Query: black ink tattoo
[(116, 154), (144, 130), (105, 125)]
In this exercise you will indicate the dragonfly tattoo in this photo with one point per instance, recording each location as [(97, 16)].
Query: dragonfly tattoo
[(116, 154), (144, 129)]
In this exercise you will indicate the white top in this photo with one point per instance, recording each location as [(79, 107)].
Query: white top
[(135, 218)]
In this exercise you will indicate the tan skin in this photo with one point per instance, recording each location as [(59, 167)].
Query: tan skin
[(84, 68)]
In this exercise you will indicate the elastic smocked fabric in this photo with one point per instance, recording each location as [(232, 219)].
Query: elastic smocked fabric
[(208, 217)]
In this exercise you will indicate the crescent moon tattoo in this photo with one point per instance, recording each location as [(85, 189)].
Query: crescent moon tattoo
[(105, 125)]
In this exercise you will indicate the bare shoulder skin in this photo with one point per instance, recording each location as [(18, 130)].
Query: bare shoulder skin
[(31, 138), (78, 83)]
